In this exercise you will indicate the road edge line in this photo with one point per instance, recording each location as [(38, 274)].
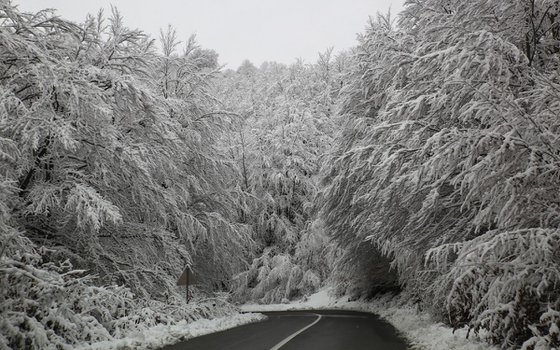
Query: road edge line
[(293, 335)]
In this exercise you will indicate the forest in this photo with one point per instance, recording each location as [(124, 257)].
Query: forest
[(423, 162)]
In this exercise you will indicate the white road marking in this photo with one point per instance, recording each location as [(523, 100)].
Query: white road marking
[(293, 335)]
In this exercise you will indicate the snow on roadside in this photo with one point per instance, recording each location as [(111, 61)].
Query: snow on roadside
[(420, 327), (162, 335), (422, 331), (319, 300)]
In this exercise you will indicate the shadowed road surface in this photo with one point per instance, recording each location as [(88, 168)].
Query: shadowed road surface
[(303, 330)]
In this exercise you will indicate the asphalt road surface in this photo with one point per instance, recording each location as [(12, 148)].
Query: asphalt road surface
[(303, 330)]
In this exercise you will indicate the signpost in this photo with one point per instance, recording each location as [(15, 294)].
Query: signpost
[(185, 279)]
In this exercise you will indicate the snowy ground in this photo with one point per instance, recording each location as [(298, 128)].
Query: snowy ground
[(163, 335), (418, 327), (421, 330)]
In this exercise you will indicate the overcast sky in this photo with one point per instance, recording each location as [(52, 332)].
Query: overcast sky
[(258, 30)]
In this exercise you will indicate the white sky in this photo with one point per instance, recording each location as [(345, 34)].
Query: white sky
[(258, 30)]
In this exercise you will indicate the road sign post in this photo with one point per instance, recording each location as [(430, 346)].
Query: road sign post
[(185, 279)]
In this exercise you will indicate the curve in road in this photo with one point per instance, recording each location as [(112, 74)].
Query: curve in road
[(304, 330)]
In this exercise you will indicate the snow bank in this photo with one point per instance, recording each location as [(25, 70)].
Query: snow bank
[(162, 335), (418, 327), (319, 300)]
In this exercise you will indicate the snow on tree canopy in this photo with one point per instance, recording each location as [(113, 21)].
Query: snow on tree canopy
[(424, 161), (448, 164), (116, 175)]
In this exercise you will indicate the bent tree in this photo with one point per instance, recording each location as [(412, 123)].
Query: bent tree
[(109, 171), (449, 162)]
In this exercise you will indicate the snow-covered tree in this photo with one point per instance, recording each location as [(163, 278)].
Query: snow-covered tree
[(447, 163), (108, 158), (285, 126)]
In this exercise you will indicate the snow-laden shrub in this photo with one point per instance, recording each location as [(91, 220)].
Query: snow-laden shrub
[(46, 304), (274, 277), (506, 283), (546, 332), (314, 252)]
